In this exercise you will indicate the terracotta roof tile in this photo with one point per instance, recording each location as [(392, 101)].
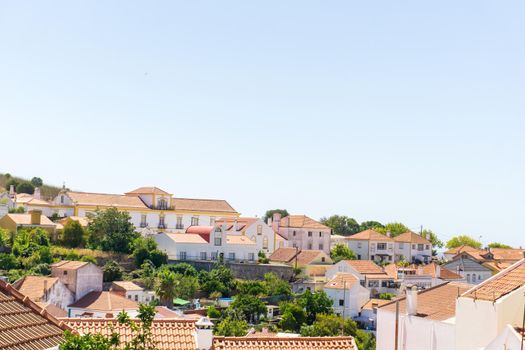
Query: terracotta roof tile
[(507, 254), (411, 237), (445, 274), (239, 239), (126, 285), (69, 264), (463, 248), (25, 219), (106, 200), (436, 303), (104, 301), (375, 303), (148, 190), (341, 280), (302, 221), (24, 325), (186, 238), (365, 266), (83, 221), (209, 205), (33, 286), (200, 229), (278, 343), (52, 309), (370, 235), (306, 257), (284, 255), (499, 285)]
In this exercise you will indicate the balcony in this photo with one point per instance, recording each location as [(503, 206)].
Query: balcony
[(161, 226), (179, 227)]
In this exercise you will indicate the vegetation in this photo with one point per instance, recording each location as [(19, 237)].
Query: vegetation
[(219, 279), (366, 225), (25, 187), (395, 229), (458, 241), (248, 307), (499, 245), (47, 191), (269, 213), (112, 230), (73, 234), (341, 225), (112, 271), (303, 311), (213, 312), (231, 327), (433, 238), (146, 249), (387, 296), (342, 252)]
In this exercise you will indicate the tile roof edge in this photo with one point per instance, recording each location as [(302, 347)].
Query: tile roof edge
[(419, 293)]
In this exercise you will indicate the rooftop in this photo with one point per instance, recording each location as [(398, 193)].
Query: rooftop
[(25, 219), (364, 266), (302, 221), (238, 239), (148, 190), (33, 286), (127, 285), (69, 265), (341, 281), (411, 237), (284, 254), (104, 301), (278, 343), (370, 235), (106, 200), (186, 237)]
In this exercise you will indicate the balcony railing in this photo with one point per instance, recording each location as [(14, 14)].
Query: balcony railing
[(179, 227), (161, 226)]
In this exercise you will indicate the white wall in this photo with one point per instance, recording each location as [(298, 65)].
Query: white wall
[(59, 295), (360, 248), (354, 299), (320, 239)]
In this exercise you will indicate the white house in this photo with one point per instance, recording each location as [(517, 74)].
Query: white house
[(302, 232), (43, 289), (509, 339), (102, 305), (372, 245), (471, 270), (347, 294), (411, 247), (132, 291), (78, 276)]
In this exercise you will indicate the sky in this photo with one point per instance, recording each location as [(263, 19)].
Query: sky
[(409, 111)]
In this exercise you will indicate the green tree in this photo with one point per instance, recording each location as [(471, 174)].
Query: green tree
[(499, 245), (11, 182), (366, 225), (112, 230), (251, 287), (275, 285), (112, 271), (293, 316), (8, 262), (165, 287), (219, 279), (186, 286), (230, 327), (458, 241), (341, 225), (329, 325), (37, 182), (213, 312), (342, 252), (5, 240), (269, 213), (387, 296), (147, 274), (184, 269), (146, 249), (395, 229), (73, 234), (433, 238), (315, 303), (248, 306), (25, 187)]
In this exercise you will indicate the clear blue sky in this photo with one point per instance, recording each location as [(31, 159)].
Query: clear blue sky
[(409, 111)]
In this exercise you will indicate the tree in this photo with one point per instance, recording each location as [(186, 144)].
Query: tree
[(269, 213), (112, 271), (5, 240), (433, 238), (458, 241), (315, 303), (146, 249), (329, 325), (186, 286), (184, 269), (11, 182), (366, 225), (213, 312), (112, 230), (395, 229), (341, 225), (165, 287), (73, 234), (342, 252), (25, 187), (499, 245), (275, 285), (147, 274), (230, 327), (387, 296), (251, 287), (37, 182), (293, 316), (219, 279), (248, 306)]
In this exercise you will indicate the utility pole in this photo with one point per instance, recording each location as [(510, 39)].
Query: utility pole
[(397, 326), (296, 253), (344, 305)]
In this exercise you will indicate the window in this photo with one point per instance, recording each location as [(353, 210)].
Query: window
[(162, 203), (321, 246), (474, 278), (218, 241), (413, 246), (427, 247), (401, 245), (341, 302), (265, 242), (212, 221), (251, 256), (161, 222), (359, 245), (384, 284), (372, 257), (373, 284), (358, 256), (136, 297), (179, 226), (143, 220), (381, 246), (294, 245), (259, 230), (293, 233), (468, 277), (389, 258), (213, 255), (203, 256), (479, 277), (65, 273), (129, 296), (323, 259), (420, 247), (320, 234), (309, 233), (195, 221), (231, 256), (310, 246), (62, 199), (182, 255)]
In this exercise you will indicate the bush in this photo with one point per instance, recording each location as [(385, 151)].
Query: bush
[(73, 234), (8, 262), (37, 182), (89, 258), (146, 249), (213, 312), (25, 187), (112, 271)]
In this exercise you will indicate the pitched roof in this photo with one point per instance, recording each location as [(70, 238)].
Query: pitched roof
[(24, 325), (200, 229), (302, 221), (168, 334), (306, 257), (497, 266), (341, 280), (148, 190), (209, 205), (375, 303), (242, 222), (83, 221), (186, 237), (365, 267), (24, 198), (238, 239), (499, 285), (127, 285), (25, 219), (283, 254), (69, 264), (445, 274), (391, 270), (52, 309), (462, 248), (104, 301), (281, 343), (507, 253), (106, 200), (436, 303), (465, 264), (370, 235), (33, 286), (411, 237)]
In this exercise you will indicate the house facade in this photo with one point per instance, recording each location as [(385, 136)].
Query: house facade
[(347, 294), (132, 291), (302, 232), (43, 289), (471, 270), (79, 277), (411, 247), (372, 245)]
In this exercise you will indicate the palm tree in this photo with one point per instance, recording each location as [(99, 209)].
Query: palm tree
[(165, 288)]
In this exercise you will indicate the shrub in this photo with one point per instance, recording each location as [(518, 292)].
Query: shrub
[(112, 271), (213, 312)]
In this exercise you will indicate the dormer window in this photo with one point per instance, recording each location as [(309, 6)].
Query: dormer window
[(162, 203)]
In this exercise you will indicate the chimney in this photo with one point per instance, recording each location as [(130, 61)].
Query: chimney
[(204, 334), (36, 194), (44, 296), (35, 216), (276, 221), (411, 300), (12, 190)]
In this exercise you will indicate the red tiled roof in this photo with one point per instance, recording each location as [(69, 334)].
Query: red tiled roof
[(460, 249), (25, 219), (148, 190), (370, 235), (499, 285), (364, 266), (507, 254), (24, 325), (278, 343), (104, 301), (445, 274), (284, 254), (33, 286), (106, 200), (207, 230), (341, 280), (411, 237), (69, 265), (306, 257), (126, 285), (209, 205), (302, 221)]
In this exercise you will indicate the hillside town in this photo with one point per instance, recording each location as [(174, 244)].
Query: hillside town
[(197, 274)]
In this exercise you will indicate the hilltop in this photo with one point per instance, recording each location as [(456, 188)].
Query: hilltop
[(47, 191)]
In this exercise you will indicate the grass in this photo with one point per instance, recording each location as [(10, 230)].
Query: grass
[(47, 191)]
